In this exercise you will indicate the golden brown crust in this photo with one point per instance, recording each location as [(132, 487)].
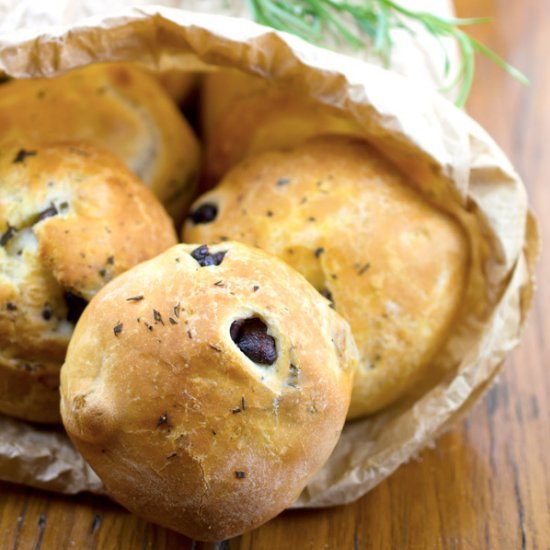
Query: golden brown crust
[(220, 89), (182, 427), (30, 389), (346, 219), (71, 218), (243, 115), (117, 106)]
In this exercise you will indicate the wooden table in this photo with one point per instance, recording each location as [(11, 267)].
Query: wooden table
[(487, 483)]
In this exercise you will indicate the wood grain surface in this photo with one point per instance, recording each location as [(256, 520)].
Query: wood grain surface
[(486, 484)]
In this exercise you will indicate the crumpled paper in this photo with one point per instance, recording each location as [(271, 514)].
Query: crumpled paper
[(43, 457), (418, 56), (449, 159)]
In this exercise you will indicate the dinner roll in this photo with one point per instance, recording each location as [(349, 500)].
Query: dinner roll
[(244, 115), (71, 218), (118, 106), (393, 265), (220, 89), (206, 386)]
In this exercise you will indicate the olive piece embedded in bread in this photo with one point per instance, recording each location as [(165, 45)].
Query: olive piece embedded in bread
[(204, 213), (206, 258), (251, 337)]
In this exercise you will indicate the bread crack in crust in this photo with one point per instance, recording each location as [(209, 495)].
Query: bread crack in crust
[(71, 218)]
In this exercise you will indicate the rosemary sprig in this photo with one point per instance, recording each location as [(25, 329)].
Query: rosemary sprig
[(351, 20)]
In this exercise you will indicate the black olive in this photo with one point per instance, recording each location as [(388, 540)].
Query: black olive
[(252, 339), (205, 213), (205, 259)]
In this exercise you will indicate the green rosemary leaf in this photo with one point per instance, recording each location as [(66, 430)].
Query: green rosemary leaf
[(334, 22), (382, 34), (367, 25), (377, 20), (253, 9), (401, 24), (467, 51), (460, 22), (518, 75), (288, 17)]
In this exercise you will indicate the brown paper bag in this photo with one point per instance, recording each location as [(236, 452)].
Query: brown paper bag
[(418, 56), (450, 159)]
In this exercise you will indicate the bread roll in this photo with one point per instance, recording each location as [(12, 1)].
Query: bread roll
[(220, 89), (244, 115), (206, 386), (118, 106), (71, 219), (392, 264)]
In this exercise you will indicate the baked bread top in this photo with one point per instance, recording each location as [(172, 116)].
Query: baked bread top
[(392, 264), (117, 106), (72, 217), (206, 386), (245, 115)]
